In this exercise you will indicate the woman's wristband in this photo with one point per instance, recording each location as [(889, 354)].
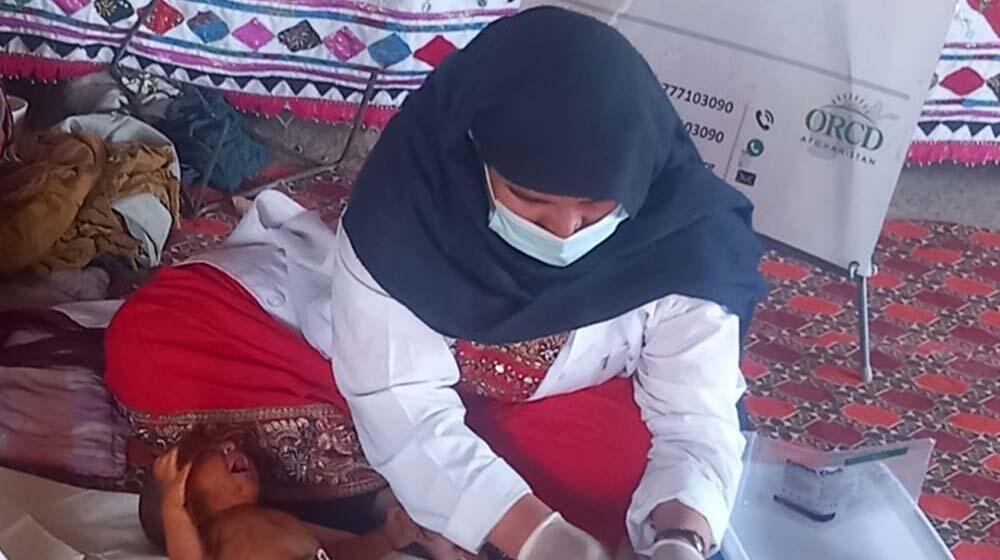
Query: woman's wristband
[(686, 535)]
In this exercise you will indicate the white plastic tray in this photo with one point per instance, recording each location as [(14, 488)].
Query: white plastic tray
[(882, 522)]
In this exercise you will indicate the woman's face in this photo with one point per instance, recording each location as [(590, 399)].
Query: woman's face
[(560, 215)]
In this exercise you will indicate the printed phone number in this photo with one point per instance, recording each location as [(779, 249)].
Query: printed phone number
[(699, 98), (706, 133)]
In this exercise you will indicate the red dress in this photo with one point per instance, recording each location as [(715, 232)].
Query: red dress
[(193, 350)]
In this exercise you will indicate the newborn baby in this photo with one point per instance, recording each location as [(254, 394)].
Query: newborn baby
[(203, 506)]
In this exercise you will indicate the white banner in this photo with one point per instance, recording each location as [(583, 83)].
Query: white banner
[(806, 106)]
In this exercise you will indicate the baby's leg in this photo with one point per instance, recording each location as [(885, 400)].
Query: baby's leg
[(435, 545)]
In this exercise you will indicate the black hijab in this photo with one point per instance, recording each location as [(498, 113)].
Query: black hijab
[(563, 104)]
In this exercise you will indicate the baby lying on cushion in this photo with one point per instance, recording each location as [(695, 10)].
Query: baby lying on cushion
[(203, 505)]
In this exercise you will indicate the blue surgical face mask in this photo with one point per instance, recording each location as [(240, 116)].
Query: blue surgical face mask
[(543, 245)]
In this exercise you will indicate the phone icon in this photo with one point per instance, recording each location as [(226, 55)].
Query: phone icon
[(765, 119)]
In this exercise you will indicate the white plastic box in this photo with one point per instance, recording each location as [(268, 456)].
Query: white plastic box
[(877, 516)]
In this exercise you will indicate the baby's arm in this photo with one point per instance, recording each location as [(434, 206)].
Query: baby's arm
[(183, 540)]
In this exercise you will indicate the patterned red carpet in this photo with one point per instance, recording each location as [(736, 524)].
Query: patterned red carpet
[(936, 338), (936, 335)]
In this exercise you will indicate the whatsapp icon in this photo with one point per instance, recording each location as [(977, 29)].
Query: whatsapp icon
[(755, 147)]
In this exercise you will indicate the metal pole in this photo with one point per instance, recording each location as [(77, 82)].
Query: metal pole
[(115, 70), (209, 169), (359, 116), (865, 342)]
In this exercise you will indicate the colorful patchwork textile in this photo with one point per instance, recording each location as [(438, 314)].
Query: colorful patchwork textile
[(311, 57), (961, 119)]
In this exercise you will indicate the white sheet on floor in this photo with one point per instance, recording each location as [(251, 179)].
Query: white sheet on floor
[(91, 314), (45, 520)]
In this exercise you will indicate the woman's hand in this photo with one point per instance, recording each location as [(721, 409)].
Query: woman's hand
[(518, 524), (530, 530), (173, 479), (556, 539), (675, 550), (675, 515)]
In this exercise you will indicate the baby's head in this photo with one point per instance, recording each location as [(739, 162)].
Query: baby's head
[(222, 477)]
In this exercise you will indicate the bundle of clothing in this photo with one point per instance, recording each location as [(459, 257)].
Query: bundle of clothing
[(211, 138), (72, 196), (56, 414)]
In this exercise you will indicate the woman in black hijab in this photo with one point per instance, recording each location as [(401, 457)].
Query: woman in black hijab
[(536, 228)]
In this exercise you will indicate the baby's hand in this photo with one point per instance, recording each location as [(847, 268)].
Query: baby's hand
[(399, 529), (172, 478)]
